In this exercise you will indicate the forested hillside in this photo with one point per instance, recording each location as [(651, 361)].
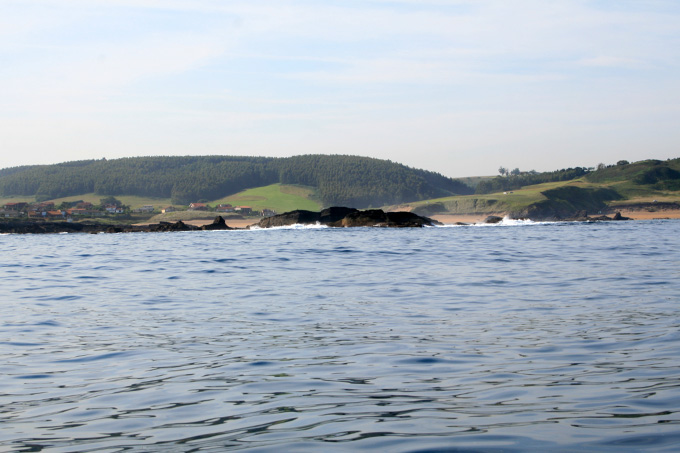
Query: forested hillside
[(339, 180)]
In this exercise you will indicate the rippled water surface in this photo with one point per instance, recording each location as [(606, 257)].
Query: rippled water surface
[(495, 338)]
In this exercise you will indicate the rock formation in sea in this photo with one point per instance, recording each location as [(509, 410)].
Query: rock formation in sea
[(338, 216), (493, 219), (582, 216), (218, 224)]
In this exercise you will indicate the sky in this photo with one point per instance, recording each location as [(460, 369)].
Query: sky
[(459, 87)]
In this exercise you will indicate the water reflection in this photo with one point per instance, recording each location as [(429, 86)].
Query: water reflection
[(487, 339)]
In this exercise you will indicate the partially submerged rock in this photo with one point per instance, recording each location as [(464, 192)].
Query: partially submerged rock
[(582, 216), (41, 227), (165, 226), (335, 214), (218, 224), (618, 216), (401, 219), (370, 217), (493, 219), (299, 216), (37, 227), (339, 216)]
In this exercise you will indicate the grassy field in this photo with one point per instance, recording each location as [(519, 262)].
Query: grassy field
[(280, 198), (5, 200), (517, 200), (132, 201), (488, 203)]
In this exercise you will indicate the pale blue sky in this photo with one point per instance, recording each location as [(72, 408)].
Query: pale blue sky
[(459, 87)]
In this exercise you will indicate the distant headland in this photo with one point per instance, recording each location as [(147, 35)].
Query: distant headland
[(192, 190)]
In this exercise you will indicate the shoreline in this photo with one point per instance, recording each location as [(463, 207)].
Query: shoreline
[(636, 214), (633, 214), (353, 219), (453, 219)]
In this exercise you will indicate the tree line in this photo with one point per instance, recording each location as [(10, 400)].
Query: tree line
[(515, 179), (339, 179)]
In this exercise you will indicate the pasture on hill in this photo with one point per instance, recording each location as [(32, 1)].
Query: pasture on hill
[(278, 197)]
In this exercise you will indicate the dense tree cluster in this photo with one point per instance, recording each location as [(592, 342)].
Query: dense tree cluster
[(340, 180), (515, 179), (363, 182), (657, 174), (661, 175)]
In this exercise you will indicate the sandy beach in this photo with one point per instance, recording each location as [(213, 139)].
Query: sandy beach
[(452, 219), (635, 214), (646, 215)]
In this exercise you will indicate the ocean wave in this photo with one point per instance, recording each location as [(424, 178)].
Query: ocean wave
[(506, 222), (297, 226)]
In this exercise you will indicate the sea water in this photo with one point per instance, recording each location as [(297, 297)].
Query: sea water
[(513, 337)]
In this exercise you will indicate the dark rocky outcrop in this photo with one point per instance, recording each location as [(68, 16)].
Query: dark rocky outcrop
[(582, 216), (369, 217), (42, 227), (218, 224), (333, 217), (299, 216), (167, 227), (335, 214), (493, 219), (401, 219), (348, 217)]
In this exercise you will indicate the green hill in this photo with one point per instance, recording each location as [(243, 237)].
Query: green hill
[(644, 182), (278, 197), (337, 180), (316, 181)]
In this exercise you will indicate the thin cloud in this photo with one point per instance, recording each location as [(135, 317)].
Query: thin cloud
[(152, 75), (612, 62)]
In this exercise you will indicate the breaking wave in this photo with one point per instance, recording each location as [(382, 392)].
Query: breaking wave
[(297, 226), (506, 222)]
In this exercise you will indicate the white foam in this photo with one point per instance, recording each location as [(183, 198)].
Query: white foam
[(297, 226), (507, 221)]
